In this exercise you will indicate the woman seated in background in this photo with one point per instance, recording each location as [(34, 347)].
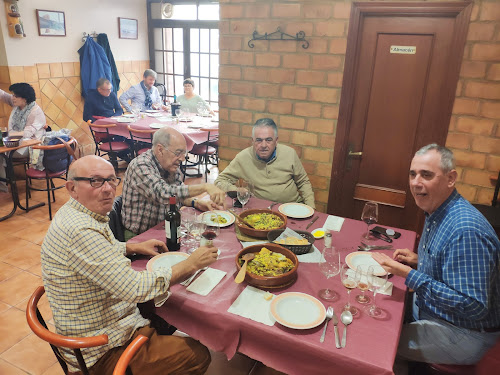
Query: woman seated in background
[(189, 101), (26, 119)]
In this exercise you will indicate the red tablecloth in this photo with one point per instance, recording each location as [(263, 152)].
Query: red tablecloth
[(371, 343), (192, 136)]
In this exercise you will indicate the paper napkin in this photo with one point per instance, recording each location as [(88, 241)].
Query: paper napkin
[(206, 282), (334, 223), (387, 288), (312, 256), (251, 304)]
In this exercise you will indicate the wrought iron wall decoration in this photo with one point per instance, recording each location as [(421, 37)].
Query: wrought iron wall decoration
[(279, 35)]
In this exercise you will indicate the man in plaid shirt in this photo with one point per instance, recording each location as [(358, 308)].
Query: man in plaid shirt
[(456, 274), (153, 177)]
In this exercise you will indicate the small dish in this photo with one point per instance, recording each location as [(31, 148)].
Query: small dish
[(318, 233)]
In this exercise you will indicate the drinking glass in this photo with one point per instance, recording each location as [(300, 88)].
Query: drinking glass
[(375, 283), (156, 105), (135, 109), (360, 277), (212, 229), (329, 264), (196, 230), (349, 281), (188, 216), (369, 216), (243, 192)]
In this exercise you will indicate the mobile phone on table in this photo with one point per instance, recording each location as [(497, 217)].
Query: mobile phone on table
[(382, 233)]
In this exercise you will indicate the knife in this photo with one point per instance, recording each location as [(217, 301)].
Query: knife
[(312, 221), (335, 329)]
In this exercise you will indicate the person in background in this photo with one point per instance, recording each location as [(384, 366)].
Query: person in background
[(144, 95), (26, 118), (153, 177), (456, 273), (92, 288), (190, 101), (274, 169), (101, 102)]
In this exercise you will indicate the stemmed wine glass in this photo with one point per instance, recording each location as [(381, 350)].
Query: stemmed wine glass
[(362, 284), (212, 229), (349, 281), (329, 264), (375, 282), (369, 216), (243, 192)]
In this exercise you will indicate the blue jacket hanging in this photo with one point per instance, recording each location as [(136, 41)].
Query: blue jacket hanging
[(102, 40), (93, 65)]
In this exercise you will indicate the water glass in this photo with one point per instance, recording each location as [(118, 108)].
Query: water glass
[(329, 265), (196, 230), (349, 281), (375, 283), (362, 281), (243, 192)]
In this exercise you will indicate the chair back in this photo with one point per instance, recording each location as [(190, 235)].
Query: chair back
[(115, 220), (39, 328), (141, 138), (128, 354), (163, 92), (57, 157)]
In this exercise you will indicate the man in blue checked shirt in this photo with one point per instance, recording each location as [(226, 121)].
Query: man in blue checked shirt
[(456, 274)]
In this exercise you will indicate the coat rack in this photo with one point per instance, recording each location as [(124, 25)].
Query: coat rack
[(279, 35), (85, 36)]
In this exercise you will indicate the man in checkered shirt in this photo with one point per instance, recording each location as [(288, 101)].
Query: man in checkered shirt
[(93, 290), (153, 177), (456, 274)]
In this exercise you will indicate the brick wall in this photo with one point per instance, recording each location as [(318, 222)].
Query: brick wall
[(58, 92), (300, 88)]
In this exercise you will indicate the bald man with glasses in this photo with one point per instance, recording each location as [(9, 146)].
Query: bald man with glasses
[(274, 169), (93, 290), (153, 177)]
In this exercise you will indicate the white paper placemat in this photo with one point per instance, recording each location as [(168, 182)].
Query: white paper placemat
[(251, 304), (334, 223), (313, 256), (206, 282)]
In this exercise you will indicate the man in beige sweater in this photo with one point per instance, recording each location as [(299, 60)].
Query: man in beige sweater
[(275, 169)]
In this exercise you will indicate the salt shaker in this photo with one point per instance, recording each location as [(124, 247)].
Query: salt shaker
[(328, 238)]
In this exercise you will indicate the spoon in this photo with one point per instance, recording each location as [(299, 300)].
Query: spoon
[(329, 315), (241, 220), (346, 318), (241, 275)]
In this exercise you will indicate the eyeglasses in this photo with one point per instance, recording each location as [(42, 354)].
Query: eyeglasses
[(178, 153), (260, 140), (97, 182)]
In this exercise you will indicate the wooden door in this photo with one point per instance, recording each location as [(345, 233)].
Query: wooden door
[(400, 77)]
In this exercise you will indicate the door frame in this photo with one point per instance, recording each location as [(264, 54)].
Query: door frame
[(459, 10)]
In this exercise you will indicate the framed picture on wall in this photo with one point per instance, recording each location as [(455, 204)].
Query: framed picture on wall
[(50, 23), (127, 28)]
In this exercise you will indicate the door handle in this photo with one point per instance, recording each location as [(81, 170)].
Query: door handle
[(350, 155)]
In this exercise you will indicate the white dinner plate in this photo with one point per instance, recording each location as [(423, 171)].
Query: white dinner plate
[(364, 259), (296, 210), (130, 115), (152, 111), (194, 126), (167, 260), (154, 114), (124, 119), (298, 310), (207, 218), (157, 125), (185, 119)]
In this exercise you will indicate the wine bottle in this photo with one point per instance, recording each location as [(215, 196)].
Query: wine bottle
[(172, 225)]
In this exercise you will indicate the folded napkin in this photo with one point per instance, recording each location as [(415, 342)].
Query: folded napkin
[(334, 223), (312, 256), (206, 282), (386, 289), (251, 304)]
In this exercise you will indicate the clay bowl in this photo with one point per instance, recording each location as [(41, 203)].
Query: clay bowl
[(259, 233), (270, 281)]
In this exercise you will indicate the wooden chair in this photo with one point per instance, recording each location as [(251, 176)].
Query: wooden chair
[(204, 153), (128, 354), (142, 139), (492, 213), (56, 341), (162, 90), (105, 145), (63, 156)]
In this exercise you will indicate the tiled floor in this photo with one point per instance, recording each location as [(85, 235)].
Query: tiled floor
[(21, 352)]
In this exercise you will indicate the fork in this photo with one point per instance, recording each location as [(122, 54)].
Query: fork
[(191, 278), (329, 315), (272, 205)]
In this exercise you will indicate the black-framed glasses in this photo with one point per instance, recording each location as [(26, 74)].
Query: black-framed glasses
[(97, 182)]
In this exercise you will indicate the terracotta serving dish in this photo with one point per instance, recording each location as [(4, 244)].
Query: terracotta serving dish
[(258, 233), (270, 281)]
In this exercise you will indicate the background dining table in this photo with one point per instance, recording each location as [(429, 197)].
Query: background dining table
[(195, 131), (371, 345)]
